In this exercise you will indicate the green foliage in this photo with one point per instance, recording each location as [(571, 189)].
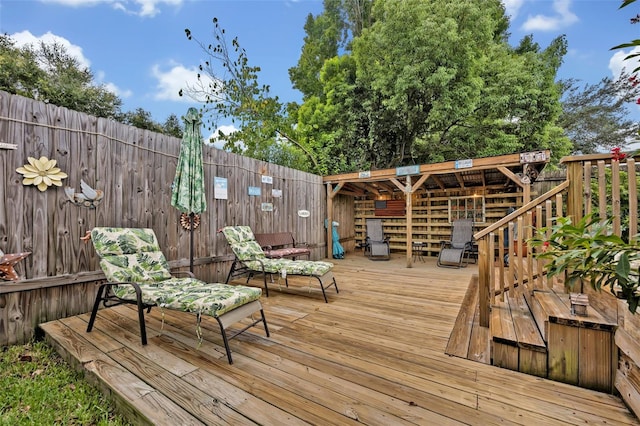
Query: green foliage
[(633, 43), (39, 388), (388, 83), (228, 87), (588, 251), (595, 116), (432, 81), (48, 73)]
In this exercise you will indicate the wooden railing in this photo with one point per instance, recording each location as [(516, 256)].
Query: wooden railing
[(593, 182)]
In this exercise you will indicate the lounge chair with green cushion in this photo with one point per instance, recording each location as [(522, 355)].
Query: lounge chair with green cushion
[(250, 259), (138, 273)]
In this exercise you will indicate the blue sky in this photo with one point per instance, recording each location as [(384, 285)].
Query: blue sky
[(138, 48)]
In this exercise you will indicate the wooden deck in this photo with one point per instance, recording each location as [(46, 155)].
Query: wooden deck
[(375, 354)]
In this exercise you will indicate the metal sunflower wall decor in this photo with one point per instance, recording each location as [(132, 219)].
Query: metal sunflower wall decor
[(42, 173)]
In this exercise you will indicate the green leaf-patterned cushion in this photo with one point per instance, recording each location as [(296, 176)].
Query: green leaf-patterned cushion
[(192, 295), (238, 234), (130, 254), (271, 266), (246, 248), (308, 267)]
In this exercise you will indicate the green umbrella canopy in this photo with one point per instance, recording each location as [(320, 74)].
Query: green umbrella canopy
[(188, 194)]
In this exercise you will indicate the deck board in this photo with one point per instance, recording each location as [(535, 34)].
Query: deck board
[(375, 354)]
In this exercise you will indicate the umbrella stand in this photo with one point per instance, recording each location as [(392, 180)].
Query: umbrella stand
[(191, 215)]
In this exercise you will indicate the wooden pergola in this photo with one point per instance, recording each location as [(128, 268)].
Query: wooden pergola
[(519, 169)]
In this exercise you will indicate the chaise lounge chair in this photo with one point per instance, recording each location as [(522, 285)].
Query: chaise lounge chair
[(455, 252), (138, 273), (250, 259), (376, 244)]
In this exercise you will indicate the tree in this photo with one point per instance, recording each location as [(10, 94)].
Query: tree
[(48, 73), (432, 81), (141, 119), (173, 126), (228, 87), (594, 116)]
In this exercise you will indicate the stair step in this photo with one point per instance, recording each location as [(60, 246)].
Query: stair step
[(516, 341)]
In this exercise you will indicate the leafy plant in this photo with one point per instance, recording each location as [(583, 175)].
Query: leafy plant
[(587, 251)]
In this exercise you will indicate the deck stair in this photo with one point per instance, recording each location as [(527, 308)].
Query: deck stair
[(534, 332), (517, 343)]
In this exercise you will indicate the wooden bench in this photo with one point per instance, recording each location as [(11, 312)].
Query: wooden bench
[(282, 244)]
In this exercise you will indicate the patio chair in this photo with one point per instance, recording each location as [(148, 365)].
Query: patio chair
[(376, 244), (454, 253), (250, 259), (138, 273)]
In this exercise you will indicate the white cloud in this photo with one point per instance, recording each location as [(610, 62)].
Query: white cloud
[(176, 78), (563, 17), (170, 82), (214, 138), (24, 38), (512, 7), (148, 8), (617, 64)]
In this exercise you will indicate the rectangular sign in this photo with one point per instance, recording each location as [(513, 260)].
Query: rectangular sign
[(220, 188), (254, 191), (364, 175), (464, 164), (533, 157), (408, 170), (267, 179)]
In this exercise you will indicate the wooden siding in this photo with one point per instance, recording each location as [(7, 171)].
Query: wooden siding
[(135, 169)]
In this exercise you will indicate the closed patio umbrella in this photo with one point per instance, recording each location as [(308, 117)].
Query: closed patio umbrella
[(187, 191)]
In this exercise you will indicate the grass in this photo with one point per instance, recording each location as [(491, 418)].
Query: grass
[(37, 387)]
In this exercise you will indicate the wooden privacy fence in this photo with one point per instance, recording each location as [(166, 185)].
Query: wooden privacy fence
[(135, 168)]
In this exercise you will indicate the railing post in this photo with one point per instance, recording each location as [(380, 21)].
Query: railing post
[(484, 282), (575, 191)]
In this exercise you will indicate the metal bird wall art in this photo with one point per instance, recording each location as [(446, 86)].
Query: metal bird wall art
[(88, 197)]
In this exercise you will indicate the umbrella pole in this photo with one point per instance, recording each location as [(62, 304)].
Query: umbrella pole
[(191, 242)]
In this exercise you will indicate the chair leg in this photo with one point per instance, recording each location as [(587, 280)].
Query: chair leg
[(333, 283), (141, 307), (264, 278), (264, 321), (226, 343), (233, 267), (96, 305)]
